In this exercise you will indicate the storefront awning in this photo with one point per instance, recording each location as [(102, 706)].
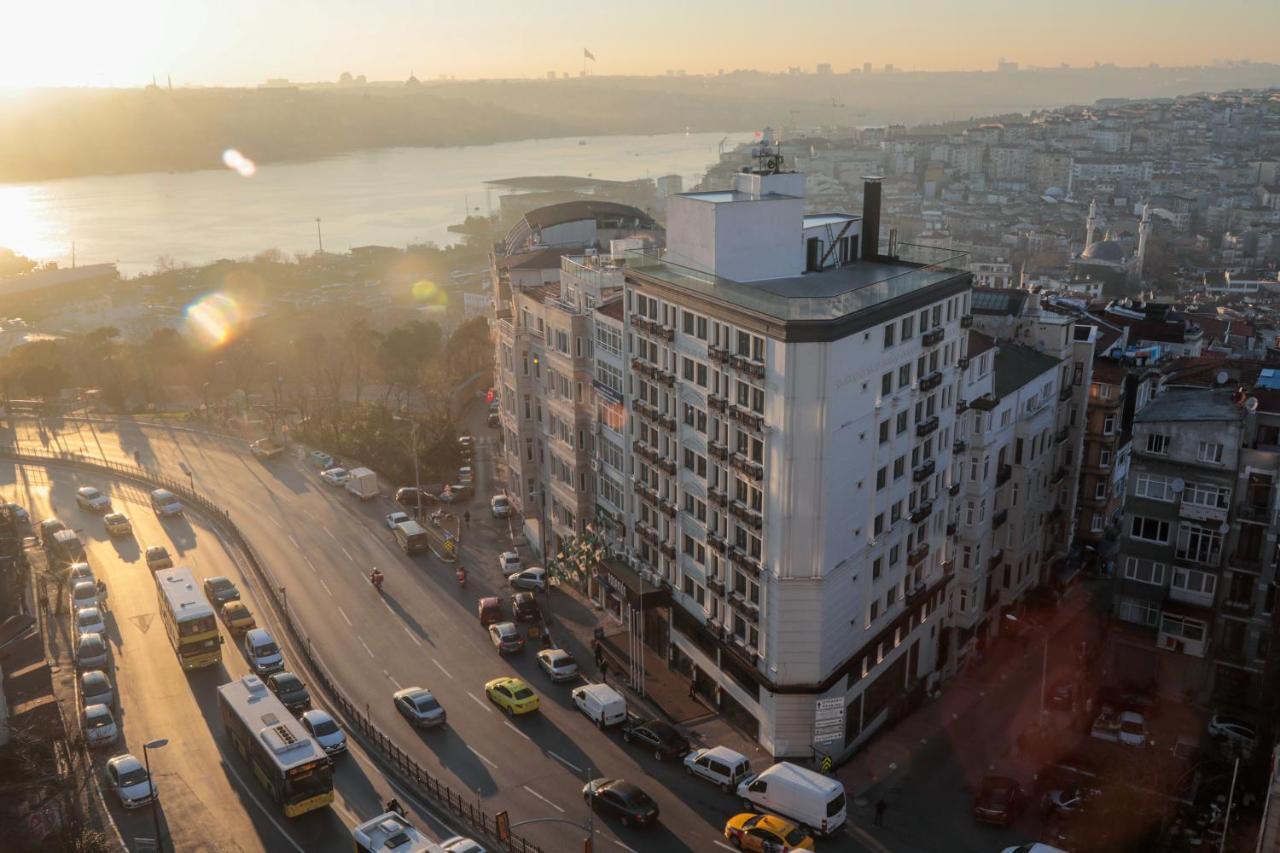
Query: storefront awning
[(625, 582)]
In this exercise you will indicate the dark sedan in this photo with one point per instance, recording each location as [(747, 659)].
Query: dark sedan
[(1000, 801), (661, 738), (524, 608), (290, 690), (220, 590), (623, 800), (408, 496)]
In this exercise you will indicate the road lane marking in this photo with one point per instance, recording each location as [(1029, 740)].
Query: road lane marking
[(326, 587), (865, 837), (393, 679), (619, 843), (331, 536), (508, 724), (481, 757), (345, 617), (366, 645), (413, 636), (248, 793), (725, 846), (310, 565), (442, 669), (295, 542), (480, 702), (544, 799), (348, 553), (566, 762), (276, 523), (422, 807), (388, 606)]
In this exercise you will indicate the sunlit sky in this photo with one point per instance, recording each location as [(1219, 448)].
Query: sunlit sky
[(236, 42)]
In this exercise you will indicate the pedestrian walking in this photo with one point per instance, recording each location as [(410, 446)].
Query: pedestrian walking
[(466, 517), (881, 808), (604, 671), (599, 652), (693, 686)]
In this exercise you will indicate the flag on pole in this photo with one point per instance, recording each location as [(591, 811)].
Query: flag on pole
[(586, 54)]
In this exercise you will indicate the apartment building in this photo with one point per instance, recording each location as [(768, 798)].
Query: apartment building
[(790, 393), (1196, 581)]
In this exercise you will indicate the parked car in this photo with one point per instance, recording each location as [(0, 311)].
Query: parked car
[(603, 705), (719, 765), (752, 832), (237, 617), (408, 496), (92, 499), (500, 506), (117, 524), (1000, 800), (335, 476), (533, 578), (290, 690), (266, 448), (489, 609), (620, 799), (84, 594), (506, 637), (524, 608), (95, 688), (466, 446), (394, 518), (460, 844), (220, 590), (165, 503), (419, 706), (509, 563), (492, 420), (1061, 801), (77, 572), (454, 494), (1233, 729), (99, 726), (91, 652), (325, 730), (127, 778), (1127, 727), (660, 738), (511, 695), (89, 621), (158, 558), (558, 664), (48, 527)]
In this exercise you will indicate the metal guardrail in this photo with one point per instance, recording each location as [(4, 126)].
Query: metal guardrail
[(423, 782)]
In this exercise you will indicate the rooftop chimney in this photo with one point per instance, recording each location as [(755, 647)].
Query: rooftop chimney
[(870, 217)]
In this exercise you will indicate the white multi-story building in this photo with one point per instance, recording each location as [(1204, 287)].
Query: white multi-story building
[(790, 400)]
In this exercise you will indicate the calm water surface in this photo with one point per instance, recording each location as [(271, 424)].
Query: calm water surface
[(389, 197)]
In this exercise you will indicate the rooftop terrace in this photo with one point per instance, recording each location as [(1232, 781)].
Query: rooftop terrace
[(826, 295)]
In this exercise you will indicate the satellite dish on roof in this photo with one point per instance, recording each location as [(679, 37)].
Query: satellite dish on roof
[(1224, 528), (1178, 485), (1251, 405), (1221, 378)]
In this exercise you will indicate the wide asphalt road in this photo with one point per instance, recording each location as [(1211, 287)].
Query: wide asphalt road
[(209, 799), (321, 542)]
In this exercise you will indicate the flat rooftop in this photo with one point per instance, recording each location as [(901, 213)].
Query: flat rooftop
[(722, 196), (826, 295), (817, 220), (1191, 404)]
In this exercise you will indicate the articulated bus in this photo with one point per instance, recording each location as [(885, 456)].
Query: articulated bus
[(188, 618), (285, 759)]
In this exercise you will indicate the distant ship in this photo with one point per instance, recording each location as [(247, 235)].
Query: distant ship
[(582, 142)]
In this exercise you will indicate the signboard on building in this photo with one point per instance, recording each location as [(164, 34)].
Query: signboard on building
[(828, 721)]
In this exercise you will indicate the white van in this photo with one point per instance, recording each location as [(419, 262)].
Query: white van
[(263, 653), (601, 703), (814, 800), (719, 765)]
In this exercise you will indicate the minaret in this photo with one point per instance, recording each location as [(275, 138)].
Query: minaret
[(1144, 232), (1091, 224)]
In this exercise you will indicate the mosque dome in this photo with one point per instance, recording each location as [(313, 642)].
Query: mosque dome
[(1105, 250)]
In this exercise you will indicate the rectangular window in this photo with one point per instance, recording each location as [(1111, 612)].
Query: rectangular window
[(882, 477), (904, 375), (908, 327), (1209, 451), (884, 432), (1144, 571), (1193, 581), (1149, 529), (1153, 487), (886, 384), (1138, 611), (1108, 424), (1199, 544), (888, 335), (1158, 443)]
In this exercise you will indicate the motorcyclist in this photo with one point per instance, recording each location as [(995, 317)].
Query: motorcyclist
[(375, 578), (462, 575)]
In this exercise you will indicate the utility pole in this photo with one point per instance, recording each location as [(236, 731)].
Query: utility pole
[(319, 236)]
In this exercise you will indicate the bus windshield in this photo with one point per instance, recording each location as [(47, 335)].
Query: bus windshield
[(203, 625), (309, 780), (199, 647)]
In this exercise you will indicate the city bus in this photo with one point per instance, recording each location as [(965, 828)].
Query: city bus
[(188, 618), (285, 759), (390, 831)]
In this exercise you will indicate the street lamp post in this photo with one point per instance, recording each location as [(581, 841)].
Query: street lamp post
[(1044, 664), (413, 449), (155, 815)]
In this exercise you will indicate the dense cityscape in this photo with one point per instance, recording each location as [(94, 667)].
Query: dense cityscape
[(888, 488)]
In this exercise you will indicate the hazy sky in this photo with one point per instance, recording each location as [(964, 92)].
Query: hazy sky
[(124, 42)]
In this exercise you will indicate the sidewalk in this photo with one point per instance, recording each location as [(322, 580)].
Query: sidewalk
[(953, 714)]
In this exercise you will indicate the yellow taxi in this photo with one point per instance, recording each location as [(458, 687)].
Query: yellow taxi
[(117, 524), (511, 695), (752, 832), (237, 617)]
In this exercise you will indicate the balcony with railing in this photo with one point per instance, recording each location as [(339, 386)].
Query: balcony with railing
[(922, 512), (1196, 598), (718, 355), (998, 520), (718, 450), (931, 381), (959, 446), (917, 555), (1003, 474), (933, 337), (966, 321), (718, 403), (715, 584), (752, 518), (747, 365), (653, 328), (962, 406), (747, 466), (747, 417), (718, 496), (926, 426), (924, 471), (985, 403)]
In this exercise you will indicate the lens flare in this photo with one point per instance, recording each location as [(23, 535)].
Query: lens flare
[(429, 294), (214, 319), (237, 162)]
